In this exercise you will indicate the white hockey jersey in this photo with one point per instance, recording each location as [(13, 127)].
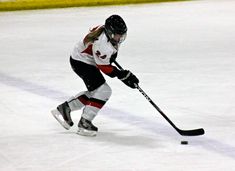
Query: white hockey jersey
[(97, 53)]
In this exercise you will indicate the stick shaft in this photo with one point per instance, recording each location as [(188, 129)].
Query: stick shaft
[(181, 132)]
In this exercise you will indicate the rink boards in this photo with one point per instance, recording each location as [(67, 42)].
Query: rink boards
[(11, 5)]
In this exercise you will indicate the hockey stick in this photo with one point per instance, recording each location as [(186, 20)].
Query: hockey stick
[(193, 132)]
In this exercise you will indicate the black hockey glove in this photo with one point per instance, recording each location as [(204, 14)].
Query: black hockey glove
[(128, 78)]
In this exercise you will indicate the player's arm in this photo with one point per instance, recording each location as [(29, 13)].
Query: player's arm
[(103, 62)]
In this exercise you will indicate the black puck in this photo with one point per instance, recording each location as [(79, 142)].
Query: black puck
[(184, 142)]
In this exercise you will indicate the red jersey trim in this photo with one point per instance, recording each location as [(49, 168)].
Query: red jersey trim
[(88, 50), (107, 69)]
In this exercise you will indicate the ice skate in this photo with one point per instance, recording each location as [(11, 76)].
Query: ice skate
[(86, 128), (62, 115)]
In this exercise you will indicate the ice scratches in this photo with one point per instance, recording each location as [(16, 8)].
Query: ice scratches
[(136, 141), (76, 158), (204, 142), (32, 87), (6, 163), (215, 146), (152, 126)]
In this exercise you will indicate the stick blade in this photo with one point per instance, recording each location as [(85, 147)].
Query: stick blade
[(194, 132)]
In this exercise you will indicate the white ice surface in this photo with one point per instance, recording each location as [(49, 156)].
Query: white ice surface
[(184, 56)]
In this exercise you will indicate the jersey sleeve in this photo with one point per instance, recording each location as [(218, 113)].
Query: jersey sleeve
[(102, 55)]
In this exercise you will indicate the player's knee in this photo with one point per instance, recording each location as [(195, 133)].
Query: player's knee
[(103, 92), (106, 90)]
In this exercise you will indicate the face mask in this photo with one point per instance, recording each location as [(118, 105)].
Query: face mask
[(117, 38)]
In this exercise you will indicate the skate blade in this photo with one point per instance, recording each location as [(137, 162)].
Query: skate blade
[(84, 132), (60, 119)]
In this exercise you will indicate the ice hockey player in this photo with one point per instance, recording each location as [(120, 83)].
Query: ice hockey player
[(91, 57)]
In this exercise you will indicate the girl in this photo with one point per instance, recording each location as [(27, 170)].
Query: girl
[(91, 56)]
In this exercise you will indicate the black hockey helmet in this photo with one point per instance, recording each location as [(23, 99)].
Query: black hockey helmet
[(115, 25)]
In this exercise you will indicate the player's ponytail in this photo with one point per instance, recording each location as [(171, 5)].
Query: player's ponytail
[(93, 35)]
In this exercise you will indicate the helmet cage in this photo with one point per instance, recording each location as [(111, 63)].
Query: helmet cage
[(111, 36)]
